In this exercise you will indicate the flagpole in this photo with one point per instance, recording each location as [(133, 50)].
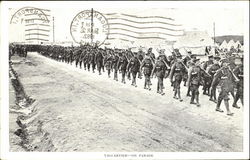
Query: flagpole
[(92, 23), (214, 33), (53, 30)]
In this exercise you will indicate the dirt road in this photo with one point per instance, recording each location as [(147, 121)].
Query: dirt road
[(77, 110)]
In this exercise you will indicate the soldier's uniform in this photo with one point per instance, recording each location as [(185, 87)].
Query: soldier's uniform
[(190, 65), (123, 62), (226, 81), (212, 70), (76, 56), (194, 81), (108, 63), (176, 75), (207, 79), (133, 67), (238, 71), (115, 66), (140, 57), (147, 66), (185, 61), (25, 51), (92, 60), (159, 69), (99, 61)]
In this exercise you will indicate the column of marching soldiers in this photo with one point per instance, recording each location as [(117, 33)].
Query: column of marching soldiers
[(210, 74)]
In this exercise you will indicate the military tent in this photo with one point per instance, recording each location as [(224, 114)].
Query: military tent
[(238, 45), (223, 45), (230, 44)]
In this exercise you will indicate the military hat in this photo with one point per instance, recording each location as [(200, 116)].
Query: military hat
[(210, 56), (189, 52), (161, 52), (195, 60), (224, 60), (190, 62), (193, 56), (179, 56), (217, 57)]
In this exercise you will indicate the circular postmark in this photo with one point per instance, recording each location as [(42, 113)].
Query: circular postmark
[(20, 15), (89, 26)]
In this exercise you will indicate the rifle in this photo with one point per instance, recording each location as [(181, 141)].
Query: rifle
[(200, 67), (235, 77)]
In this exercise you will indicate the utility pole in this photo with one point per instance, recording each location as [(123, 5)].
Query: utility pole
[(214, 33), (53, 30), (92, 25)]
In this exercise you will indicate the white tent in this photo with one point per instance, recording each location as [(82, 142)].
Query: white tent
[(230, 44), (237, 45), (223, 45)]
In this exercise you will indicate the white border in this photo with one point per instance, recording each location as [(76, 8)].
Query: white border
[(5, 154)]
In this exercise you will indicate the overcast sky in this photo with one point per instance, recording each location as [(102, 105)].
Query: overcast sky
[(228, 20)]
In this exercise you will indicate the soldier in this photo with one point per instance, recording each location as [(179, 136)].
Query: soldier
[(130, 55), (190, 65), (194, 80), (226, 80), (207, 79), (238, 71), (159, 69), (92, 59), (99, 61), (76, 56), (123, 62), (140, 58), (133, 67), (85, 59), (212, 70), (176, 75), (25, 52), (108, 62), (71, 55), (185, 61), (115, 65), (147, 66)]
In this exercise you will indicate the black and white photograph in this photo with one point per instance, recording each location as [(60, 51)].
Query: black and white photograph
[(125, 80)]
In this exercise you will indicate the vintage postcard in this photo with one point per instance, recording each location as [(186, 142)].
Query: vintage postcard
[(124, 80)]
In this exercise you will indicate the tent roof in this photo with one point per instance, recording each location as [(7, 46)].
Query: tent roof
[(194, 39), (230, 44)]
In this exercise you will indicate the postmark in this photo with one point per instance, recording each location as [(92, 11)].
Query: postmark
[(89, 26), (20, 15)]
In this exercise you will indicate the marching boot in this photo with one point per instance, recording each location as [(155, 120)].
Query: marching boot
[(192, 98), (175, 93), (229, 113), (235, 102), (208, 92), (188, 92), (148, 85), (135, 82), (218, 106), (197, 100), (179, 95)]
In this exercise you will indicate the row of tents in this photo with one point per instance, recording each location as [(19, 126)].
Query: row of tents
[(231, 45)]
